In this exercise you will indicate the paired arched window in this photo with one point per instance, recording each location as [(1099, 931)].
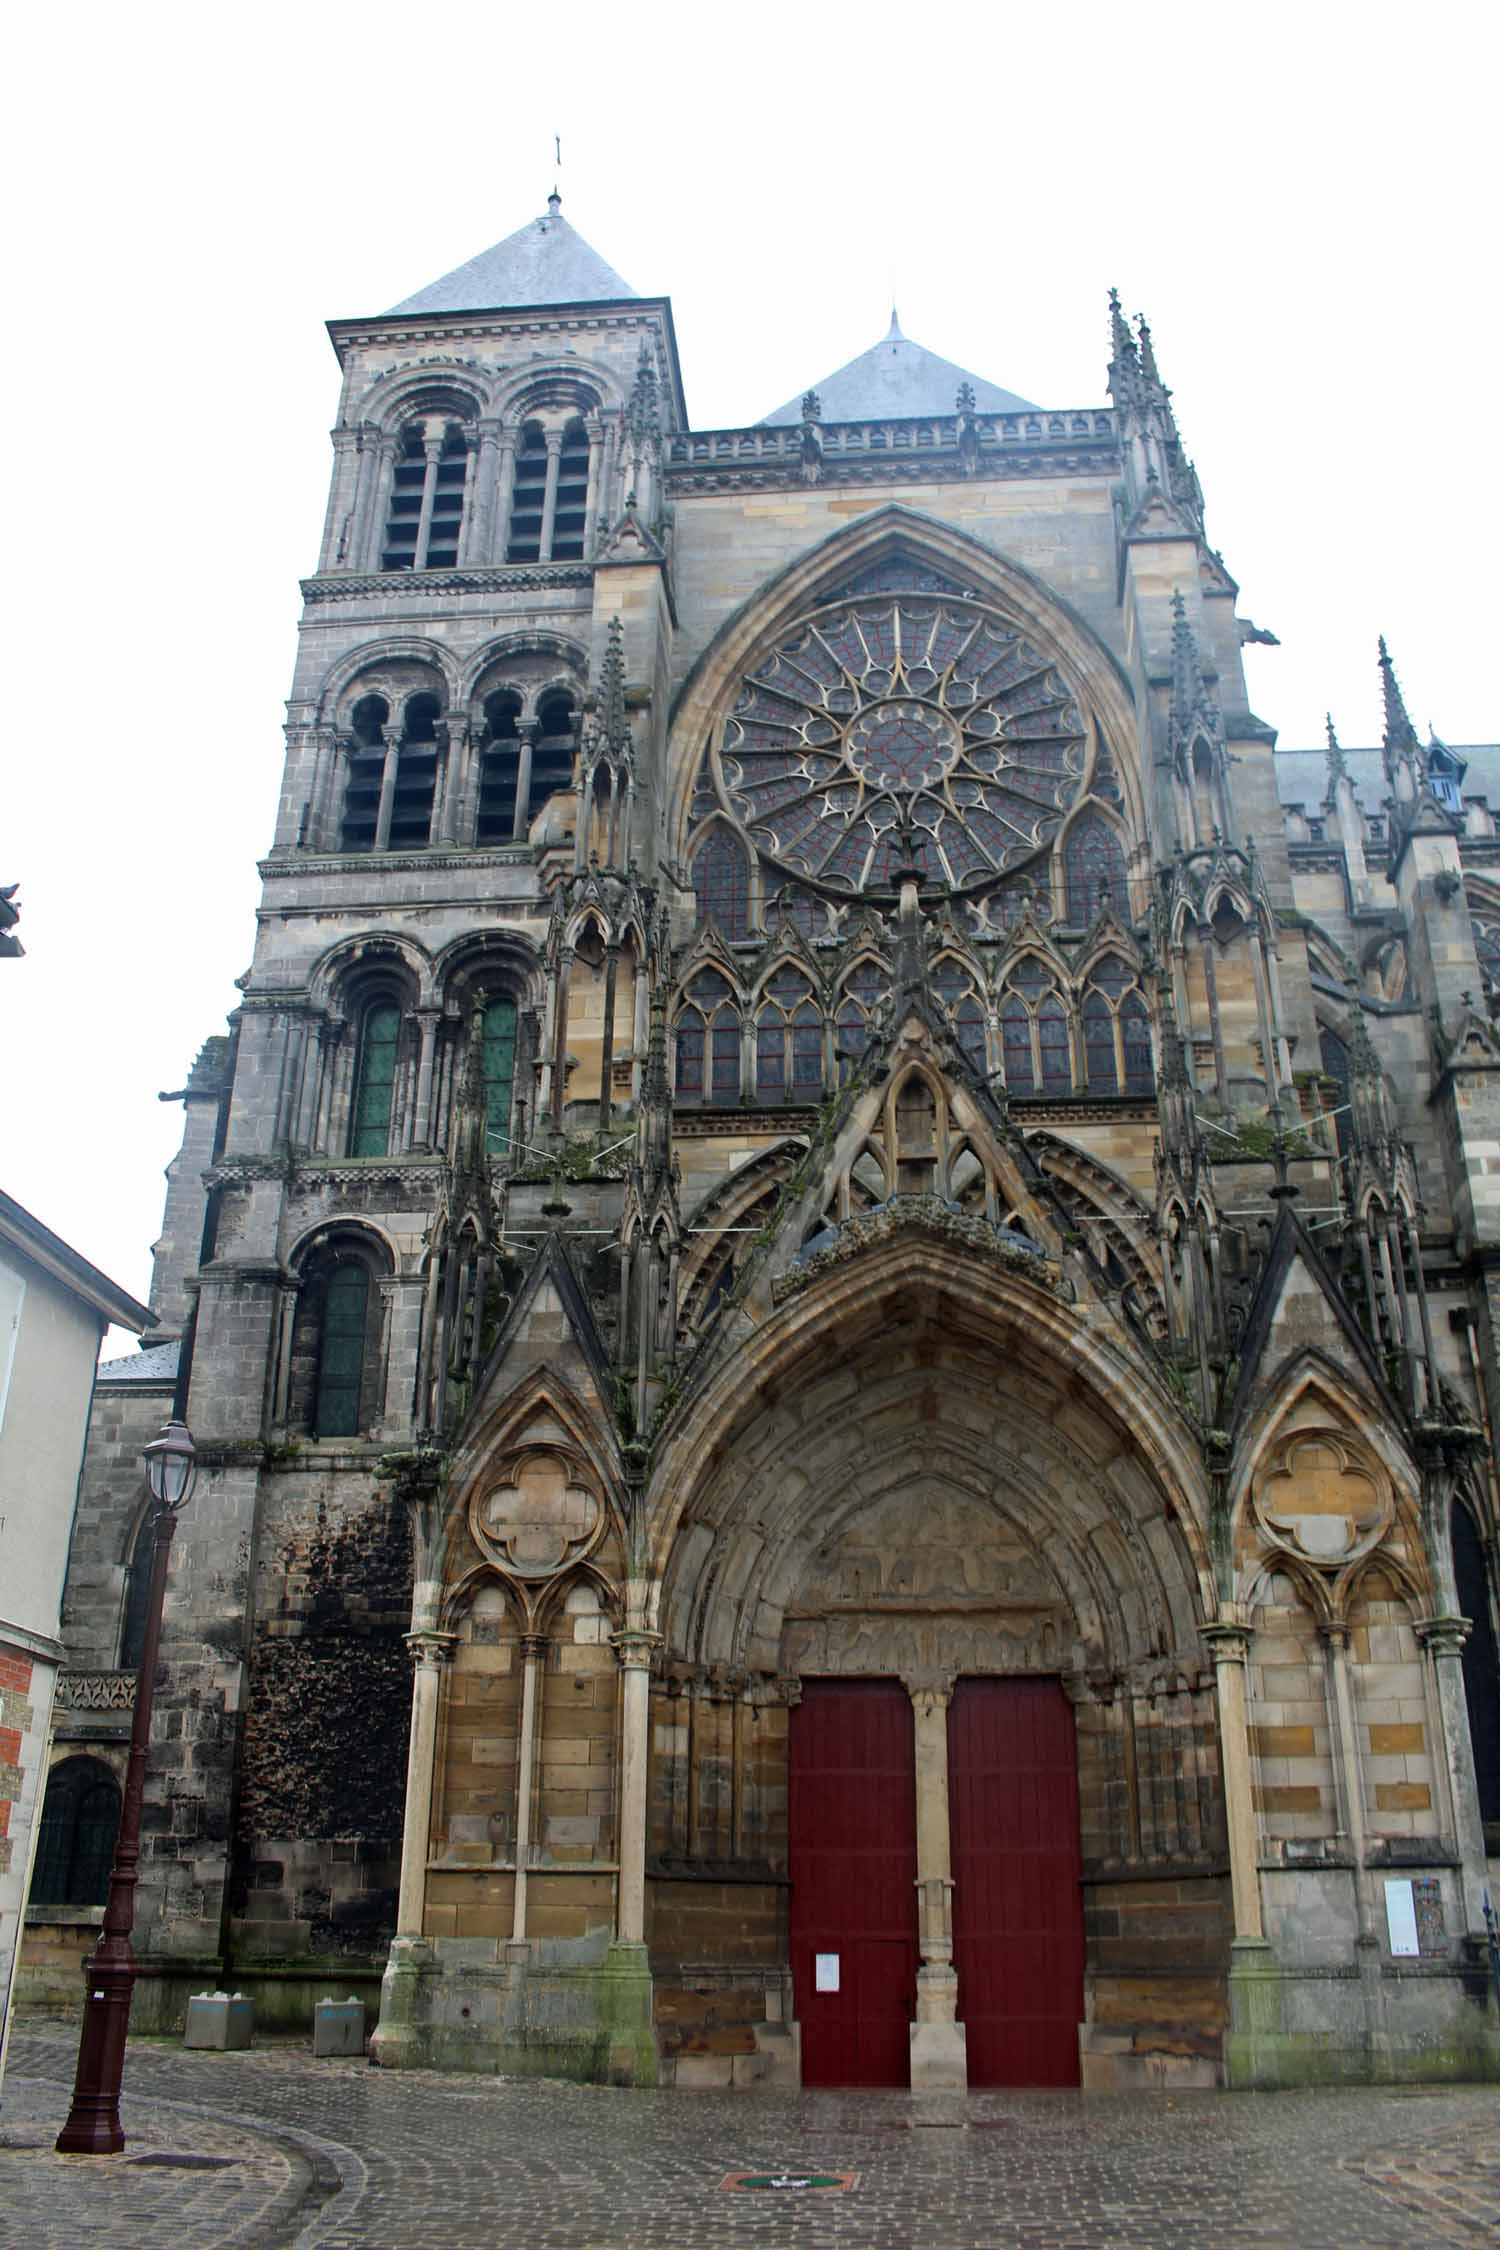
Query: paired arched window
[(1036, 1050), (375, 1079), (1481, 1658), (76, 1841), (955, 988), (391, 783), (708, 1042), (338, 1407), (788, 1041), (429, 482), (1094, 871), (1116, 1032), (499, 816), (854, 1018), (721, 884)]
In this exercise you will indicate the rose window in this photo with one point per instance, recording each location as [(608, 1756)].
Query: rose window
[(902, 710)]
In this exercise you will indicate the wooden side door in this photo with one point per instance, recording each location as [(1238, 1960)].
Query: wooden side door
[(852, 1829), (1017, 1903)]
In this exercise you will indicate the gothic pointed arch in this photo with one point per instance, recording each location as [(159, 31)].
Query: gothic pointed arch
[(987, 585)]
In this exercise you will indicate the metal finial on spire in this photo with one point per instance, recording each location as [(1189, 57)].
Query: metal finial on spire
[(893, 333), (554, 200)]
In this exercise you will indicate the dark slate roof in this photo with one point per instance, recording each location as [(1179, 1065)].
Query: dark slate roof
[(895, 378), (546, 262), (1302, 775), (156, 1365)]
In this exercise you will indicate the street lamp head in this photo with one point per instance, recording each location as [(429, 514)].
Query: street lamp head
[(171, 1466)]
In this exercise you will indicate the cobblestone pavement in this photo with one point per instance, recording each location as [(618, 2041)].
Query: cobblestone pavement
[(336, 2156)]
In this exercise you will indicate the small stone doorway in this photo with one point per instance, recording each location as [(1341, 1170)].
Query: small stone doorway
[(852, 1834)]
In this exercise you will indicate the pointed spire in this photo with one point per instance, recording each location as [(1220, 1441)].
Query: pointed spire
[(644, 411), (1122, 345), (893, 334), (610, 695), (1400, 734), (1336, 767), (1148, 355)]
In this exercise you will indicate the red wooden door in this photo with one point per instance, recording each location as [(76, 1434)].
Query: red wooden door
[(852, 1824), (1017, 1907)]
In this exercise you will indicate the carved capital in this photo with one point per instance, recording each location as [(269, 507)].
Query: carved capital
[(1228, 1641), (930, 1692), (534, 1647), (429, 1650), (634, 1647), (1444, 1636)]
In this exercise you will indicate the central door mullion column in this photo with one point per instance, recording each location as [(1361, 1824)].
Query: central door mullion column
[(937, 2037)]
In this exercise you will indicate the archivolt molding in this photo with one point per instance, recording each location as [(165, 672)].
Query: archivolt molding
[(370, 655), (703, 701), (370, 951), (395, 390), (572, 655), (1068, 1354)]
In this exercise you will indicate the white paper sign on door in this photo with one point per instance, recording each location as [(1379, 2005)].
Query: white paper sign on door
[(826, 1971), (1401, 1917)]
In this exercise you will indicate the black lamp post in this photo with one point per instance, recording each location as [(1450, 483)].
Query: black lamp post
[(93, 2127)]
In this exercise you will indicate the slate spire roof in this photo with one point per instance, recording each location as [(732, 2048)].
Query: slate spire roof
[(897, 377), (546, 262)]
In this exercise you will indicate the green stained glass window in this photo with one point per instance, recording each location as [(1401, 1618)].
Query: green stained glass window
[(499, 1074), (341, 1361), (377, 1083)]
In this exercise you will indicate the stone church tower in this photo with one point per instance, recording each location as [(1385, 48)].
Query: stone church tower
[(838, 1279)]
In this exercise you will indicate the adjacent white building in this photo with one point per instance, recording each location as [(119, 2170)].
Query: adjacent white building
[(54, 1310)]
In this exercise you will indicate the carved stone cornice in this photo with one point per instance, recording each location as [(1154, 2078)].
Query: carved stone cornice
[(96, 1691), (441, 585), (917, 467), (295, 865)]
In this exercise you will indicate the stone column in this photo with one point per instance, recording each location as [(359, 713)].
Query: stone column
[(549, 494), (526, 734), (595, 428), (1347, 1765), (479, 525), (633, 1649), (428, 1020), (534, 1655), (939, 2054), (387, 794), (624, 1986), (1229, 1645), (385, 476), (354, 554), (432, 453), (505, 486), (1252, 2046), (429, 1653), (1443, 1640)]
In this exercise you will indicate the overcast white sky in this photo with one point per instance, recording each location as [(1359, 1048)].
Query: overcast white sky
[(1301, 198)]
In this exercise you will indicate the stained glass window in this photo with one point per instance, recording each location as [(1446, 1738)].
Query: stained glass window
[(499, 1032), (1135, 1030), (902, 722), (725, 1058), (1056, 1050), (721, 883), (1015, 1046), (1335, 1059), (1094, 871), (379, 1040), (690, 1042), (954, 986), (341, 1357), (854, 1020), (788, 1042), (1099, 1043)]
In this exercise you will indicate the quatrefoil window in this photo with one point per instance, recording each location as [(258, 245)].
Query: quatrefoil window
[(538, 1517)]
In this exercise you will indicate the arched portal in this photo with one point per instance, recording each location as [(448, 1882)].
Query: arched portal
[(926, 1528)]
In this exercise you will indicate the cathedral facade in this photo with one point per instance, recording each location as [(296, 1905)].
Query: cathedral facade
[(838, 1280)]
